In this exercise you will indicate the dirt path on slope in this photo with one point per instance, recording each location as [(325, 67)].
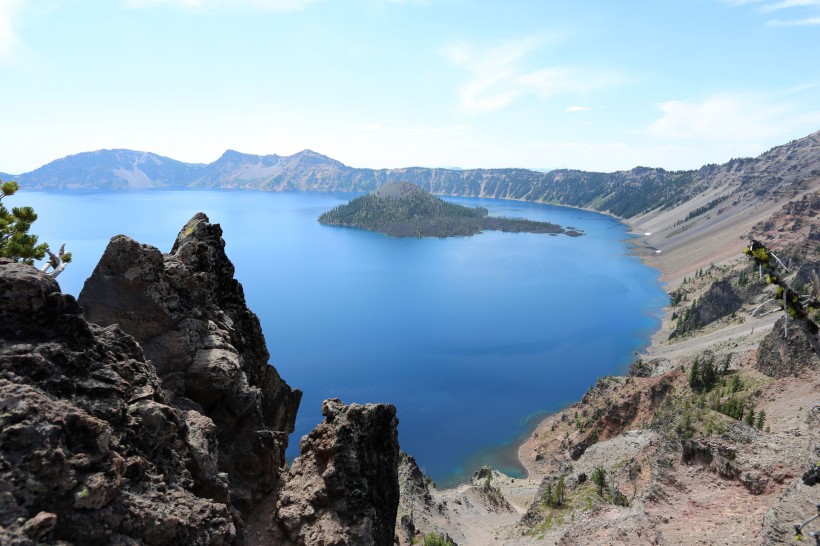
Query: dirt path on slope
[(738, 337)]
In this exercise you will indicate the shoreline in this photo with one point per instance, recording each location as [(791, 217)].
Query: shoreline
[(497, 454), (534, 422), (670, 275), (641, 250)]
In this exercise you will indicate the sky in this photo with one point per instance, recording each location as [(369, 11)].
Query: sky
[(541, 84)]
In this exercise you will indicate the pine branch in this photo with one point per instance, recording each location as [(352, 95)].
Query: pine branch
[(799, 311)]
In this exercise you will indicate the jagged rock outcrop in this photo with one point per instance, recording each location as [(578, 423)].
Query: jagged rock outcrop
[(450, 514), (343, 488), (796, 223), (649, 368), (90, 450), (610, 416), (779, 356), (189, 315), (484, 476), (717, 302)]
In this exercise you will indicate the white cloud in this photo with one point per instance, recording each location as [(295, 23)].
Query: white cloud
[(735, 3), (740, 118), (809, 21), (786, 4), (9, 41), (801, 12), (499, 76), (268, 5), (425, 130), (577, 109)]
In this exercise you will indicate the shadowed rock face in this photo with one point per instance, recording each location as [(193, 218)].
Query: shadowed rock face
[(717, 302), (343, 488), (189, 315), (783, 357), (90, 450)]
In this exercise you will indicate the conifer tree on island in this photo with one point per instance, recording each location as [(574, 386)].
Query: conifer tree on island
[(17, 243)]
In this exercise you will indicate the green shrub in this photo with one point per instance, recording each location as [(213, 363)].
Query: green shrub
[(435, 539)]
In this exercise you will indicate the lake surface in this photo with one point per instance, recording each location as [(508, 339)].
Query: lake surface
[(471, 338)]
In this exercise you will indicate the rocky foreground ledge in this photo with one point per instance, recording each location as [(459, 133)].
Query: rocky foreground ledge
[(147, 414)]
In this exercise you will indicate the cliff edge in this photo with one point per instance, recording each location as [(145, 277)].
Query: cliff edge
[(91, 451)]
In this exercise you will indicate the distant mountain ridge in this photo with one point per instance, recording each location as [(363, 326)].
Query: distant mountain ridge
[(782, 171)]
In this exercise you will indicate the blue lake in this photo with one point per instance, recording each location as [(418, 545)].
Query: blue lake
[(471, 338)]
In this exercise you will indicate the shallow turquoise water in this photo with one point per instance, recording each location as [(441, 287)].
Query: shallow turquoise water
[(469, 337)]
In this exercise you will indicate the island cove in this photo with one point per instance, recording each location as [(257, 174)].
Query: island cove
[(402, 209)]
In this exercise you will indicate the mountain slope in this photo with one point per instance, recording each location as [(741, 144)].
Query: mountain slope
[(722, 205), (110, 169), (268, 172)]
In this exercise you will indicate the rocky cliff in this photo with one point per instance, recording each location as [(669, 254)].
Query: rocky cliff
[(189, 314), (343, 488), (91, 450), (785, 352), (148, 413), (719, 301)]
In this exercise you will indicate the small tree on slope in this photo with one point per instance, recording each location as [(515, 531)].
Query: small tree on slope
[(798, 308), (17, 243)]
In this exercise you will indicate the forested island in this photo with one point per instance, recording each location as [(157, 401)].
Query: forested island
[(402, 209)]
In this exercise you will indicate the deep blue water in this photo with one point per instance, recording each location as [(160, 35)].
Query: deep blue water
[(471, 338)]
